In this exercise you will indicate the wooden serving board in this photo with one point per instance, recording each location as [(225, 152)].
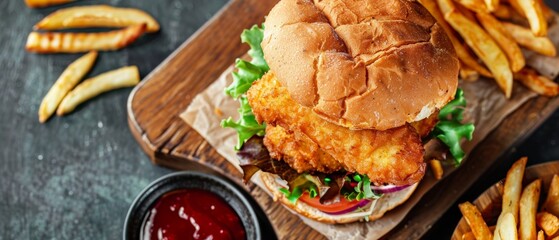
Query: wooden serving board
[(155, 104)]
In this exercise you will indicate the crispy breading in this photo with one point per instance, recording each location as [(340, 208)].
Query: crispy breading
[(394, 156), (304, 155), (300, 152), (425, 126)]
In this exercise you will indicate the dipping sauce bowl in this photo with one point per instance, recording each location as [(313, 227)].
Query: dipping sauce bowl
[(195, 205)]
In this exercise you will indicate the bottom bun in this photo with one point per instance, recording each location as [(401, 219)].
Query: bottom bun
[(382, 205)]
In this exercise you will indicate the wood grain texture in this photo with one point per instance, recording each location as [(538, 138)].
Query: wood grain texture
[(155, 105), (489, 202)]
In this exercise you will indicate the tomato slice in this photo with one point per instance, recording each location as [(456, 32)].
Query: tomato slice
[(342, 205)]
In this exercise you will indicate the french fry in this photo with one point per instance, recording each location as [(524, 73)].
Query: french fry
[(446, 6), (485, 47), (470, 235), (437, 168), (467, 73), (517, 8), (506, 229), (465, 12), (532, 9), (511, 193), (97, 16), (524, 37), (461, 50), (477, 6), (119, 78), (509, 14), (503, 12), (528, 209), (475, 220), (503, 38), (537, 83), (548, 222), (541, 236), (66, 82), (551, 204), (83, 42), (492, 4), (45, 3)]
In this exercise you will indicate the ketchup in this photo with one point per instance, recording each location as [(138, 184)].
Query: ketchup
[(192, 214)]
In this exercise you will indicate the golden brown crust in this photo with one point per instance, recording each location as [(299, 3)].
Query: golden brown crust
[(393, 156), (96, 16), (69, 42), (361, 64), (45, 3), (300, 152), (386, 203), (304, 155), (425, 126)]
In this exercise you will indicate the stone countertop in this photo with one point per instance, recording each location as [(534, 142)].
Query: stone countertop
[(74, 177)]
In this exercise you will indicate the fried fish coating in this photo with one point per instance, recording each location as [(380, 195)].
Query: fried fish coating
[(394, 156), (300, 152), (304, 155), (425, 126)]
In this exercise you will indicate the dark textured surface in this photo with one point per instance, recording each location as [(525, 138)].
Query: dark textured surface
[(75, 177)]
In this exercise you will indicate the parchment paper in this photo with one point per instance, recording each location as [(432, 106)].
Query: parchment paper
[(487, 107)]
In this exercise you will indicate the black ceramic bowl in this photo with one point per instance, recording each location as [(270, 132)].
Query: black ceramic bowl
[(251, 215)]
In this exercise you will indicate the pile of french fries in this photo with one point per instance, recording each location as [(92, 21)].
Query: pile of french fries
[(67, 92), (495, 31), (519, 218)]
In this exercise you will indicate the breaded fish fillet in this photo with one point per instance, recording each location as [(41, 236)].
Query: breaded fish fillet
[(300, 152), (394, 156), (304, 155)]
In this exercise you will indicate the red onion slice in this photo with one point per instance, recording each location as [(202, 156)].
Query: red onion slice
[(363, 203), (389, 188)]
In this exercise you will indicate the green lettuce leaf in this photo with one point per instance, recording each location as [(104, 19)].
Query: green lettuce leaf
[(246, 73), (246, 126), (243, 78), (303, 183), (450, 129), (362, 190), (253, 37), (298, 191), (454, 109)]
